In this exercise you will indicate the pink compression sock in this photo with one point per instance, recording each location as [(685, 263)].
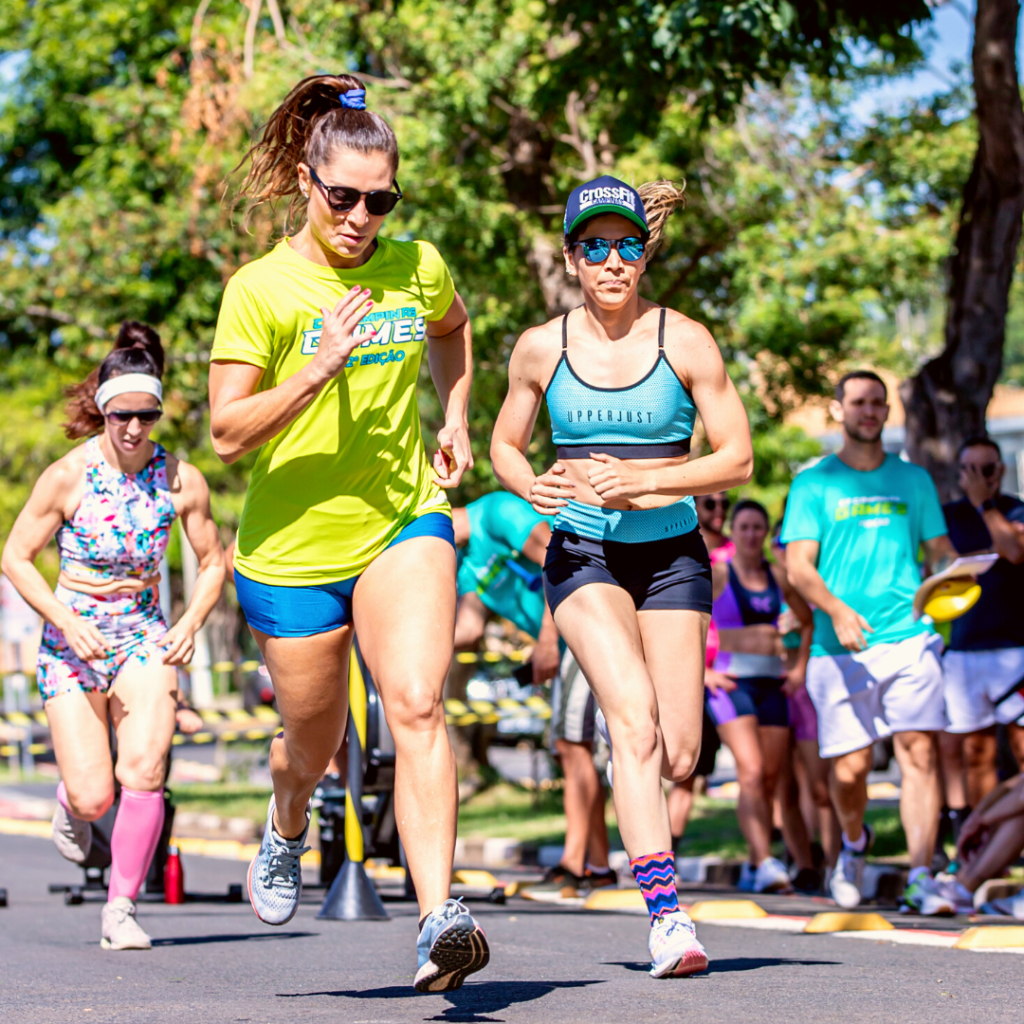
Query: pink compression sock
[(62, 797), (140, 817)]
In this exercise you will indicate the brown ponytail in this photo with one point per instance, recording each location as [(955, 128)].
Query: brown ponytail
[(137, 350), (306, 128), (660, 199)]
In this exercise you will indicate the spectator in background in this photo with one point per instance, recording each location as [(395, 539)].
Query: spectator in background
[(985, 659)]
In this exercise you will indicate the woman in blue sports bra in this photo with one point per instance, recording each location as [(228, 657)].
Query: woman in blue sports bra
[(747, 692), (627, 574)]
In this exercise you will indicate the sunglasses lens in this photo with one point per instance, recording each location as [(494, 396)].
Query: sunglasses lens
[(988, 470), (631, 249), (596, 250), (380, 203), (146, 416), (342, 198)]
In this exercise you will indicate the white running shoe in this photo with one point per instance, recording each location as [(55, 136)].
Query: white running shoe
[(959, 895), (927, 897), (772, 876), (450, 947), (71, 835), (601, 724), (847, 879), (675, 951), (119, 928), (274, 880)]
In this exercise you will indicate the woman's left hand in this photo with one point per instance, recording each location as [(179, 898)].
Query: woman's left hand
[(453, 456), (614, 478), (179, 644), (795, 678)]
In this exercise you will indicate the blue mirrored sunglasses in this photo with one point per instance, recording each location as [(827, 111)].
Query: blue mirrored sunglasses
[(596, 250)]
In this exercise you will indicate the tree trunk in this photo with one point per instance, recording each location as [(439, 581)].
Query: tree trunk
[(946, 401)]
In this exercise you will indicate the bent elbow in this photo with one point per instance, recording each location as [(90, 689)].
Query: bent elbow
[(226, 450), (745, 470)]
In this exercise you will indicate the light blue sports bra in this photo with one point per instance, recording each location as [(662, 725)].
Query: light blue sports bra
[(651, 419)]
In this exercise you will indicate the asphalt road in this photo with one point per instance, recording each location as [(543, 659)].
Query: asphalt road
[(215, 962)]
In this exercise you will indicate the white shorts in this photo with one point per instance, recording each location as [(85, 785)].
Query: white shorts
[(975, 680), (886, 689), (572, 704)]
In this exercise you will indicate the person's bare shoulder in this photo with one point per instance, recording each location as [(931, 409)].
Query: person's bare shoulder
[(186, 482), (60, 485), (537, 351), (689, 346)]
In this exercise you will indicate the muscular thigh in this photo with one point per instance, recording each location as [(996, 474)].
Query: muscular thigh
[(673, 644), (404, 613), (599, 623), (143, 702), (81, 738), (310, 676)]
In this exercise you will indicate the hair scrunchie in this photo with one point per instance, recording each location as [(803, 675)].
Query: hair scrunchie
[(354, 99)]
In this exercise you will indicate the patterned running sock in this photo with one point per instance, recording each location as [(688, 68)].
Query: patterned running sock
[(655, 873)]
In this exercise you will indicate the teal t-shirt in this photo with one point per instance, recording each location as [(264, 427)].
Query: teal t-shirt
[(870, 527), (493, 566)]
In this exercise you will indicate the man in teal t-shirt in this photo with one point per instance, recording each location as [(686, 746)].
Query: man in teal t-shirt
[(854, 525)]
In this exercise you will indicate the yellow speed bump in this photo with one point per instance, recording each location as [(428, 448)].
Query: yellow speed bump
[(836, 921), (725, 910), (616, 899), (475, 879), (991, 937)]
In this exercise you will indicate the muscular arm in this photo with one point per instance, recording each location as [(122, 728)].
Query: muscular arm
[(797, 674), (1006, 536), (193, 503), (450, 357), (802, 563), (34, 528), (242, 420)]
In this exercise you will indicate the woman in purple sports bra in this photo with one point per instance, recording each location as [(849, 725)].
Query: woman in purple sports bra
[(747, 692), (107, 653)]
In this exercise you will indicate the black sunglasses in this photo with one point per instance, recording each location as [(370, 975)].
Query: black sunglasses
[(341, 198), (710, 504), (145, 416)]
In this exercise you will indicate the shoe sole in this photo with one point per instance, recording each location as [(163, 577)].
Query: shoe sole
[(551, 897), (252, 902), (692, 962), (931, 906), (107, 944), (457, 953)]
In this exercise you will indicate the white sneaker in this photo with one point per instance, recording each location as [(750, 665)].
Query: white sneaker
[(274, 880), (71, 835), (601, 724), (772, 876), (926, 896), (451, 945), (675, 951), (847, 879), (119, 928), (959, 895)]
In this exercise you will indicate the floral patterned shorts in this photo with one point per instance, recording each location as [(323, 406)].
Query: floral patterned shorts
[(132, 625)]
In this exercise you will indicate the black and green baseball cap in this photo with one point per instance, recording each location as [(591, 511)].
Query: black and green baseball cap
[(605, 195)]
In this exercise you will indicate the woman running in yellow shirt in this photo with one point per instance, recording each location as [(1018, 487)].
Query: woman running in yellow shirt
[(345, 524)]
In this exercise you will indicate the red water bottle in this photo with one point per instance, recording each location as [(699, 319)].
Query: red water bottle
[(174, 877)]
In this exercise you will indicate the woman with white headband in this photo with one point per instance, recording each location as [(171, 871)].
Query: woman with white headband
[(106, 651)]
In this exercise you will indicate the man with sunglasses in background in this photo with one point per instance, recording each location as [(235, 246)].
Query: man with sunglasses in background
[(985, 659)]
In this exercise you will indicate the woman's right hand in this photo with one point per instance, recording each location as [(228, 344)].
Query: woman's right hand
[(83, 638), (716, 681), (337, 338), (551, 491)]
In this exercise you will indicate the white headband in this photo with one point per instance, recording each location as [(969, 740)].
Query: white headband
[(126, 382)]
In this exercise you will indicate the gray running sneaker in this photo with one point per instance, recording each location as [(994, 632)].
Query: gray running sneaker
[(847, 878), (71, 835), (450, 947), (274, 880), (120, 930)]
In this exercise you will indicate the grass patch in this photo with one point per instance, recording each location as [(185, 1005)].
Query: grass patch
[(228, 799), (508, 811)]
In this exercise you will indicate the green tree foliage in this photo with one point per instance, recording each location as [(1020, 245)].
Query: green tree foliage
[(123, 121)]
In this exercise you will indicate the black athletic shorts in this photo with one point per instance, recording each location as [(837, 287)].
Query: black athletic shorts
[(673, 573)]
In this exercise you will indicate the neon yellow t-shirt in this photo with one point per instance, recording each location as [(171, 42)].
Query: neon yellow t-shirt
[(334, 488)]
